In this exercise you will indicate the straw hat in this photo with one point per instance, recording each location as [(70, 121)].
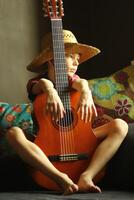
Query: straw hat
[(71, 46)]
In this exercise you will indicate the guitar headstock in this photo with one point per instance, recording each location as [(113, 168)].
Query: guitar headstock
[(53, 9)]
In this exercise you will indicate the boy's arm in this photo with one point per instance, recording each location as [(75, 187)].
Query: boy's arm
[(80, 85), (53, 104), (42, 85), (86, 104)]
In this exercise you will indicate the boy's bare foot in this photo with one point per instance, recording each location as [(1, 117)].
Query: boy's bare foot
[(86, 185), (67, 185)]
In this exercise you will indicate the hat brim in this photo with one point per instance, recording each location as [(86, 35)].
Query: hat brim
[(86, 52)]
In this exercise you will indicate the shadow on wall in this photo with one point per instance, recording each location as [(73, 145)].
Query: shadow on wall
[(107, 25)]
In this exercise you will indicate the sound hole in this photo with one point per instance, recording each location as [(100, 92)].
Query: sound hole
[(67, 120)]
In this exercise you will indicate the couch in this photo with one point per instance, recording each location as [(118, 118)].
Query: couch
[(114, 97)]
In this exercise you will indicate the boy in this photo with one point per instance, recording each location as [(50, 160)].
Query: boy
[(111, 134)]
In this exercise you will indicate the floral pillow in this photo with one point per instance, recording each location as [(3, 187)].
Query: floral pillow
[(114, 96), (15, 115)]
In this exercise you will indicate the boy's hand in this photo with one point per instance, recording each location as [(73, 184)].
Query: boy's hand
[(86, 106), (54, 105)]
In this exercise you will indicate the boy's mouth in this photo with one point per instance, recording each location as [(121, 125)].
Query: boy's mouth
[(72, 71)]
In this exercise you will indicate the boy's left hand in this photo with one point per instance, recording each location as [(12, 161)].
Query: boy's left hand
[(86, 107)]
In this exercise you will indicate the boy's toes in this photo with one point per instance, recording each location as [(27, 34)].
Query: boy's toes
[(94, 188), (70, 190)]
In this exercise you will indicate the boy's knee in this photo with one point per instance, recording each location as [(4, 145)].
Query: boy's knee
[(121, 127), (12, 133)]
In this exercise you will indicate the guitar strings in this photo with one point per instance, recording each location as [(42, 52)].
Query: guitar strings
[(55, 45), (69, 139), (55, 50), (66, 132)]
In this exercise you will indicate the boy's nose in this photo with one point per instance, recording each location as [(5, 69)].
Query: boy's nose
[(76, 62)]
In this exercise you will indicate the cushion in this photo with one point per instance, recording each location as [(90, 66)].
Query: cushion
[(15, 115), (114, 96)]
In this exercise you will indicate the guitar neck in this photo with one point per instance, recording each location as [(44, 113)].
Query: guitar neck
[(61, 77)]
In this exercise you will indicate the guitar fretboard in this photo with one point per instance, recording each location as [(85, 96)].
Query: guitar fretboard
[(61, 77)]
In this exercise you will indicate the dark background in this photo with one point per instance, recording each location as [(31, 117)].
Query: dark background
[(106, 24)]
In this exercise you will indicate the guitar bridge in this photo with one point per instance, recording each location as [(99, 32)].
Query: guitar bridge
[(68, 157)]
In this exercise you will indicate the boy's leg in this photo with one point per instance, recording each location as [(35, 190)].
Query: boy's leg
[(120, 170), (112, 135), (35, 157)]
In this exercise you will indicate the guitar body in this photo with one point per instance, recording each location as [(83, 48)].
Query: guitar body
[(49, 140)]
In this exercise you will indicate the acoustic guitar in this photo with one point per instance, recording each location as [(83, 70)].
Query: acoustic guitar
[(68, 143)]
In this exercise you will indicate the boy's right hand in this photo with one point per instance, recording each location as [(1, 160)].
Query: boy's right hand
[(54, 105)]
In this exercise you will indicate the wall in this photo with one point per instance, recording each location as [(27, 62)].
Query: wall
[(19, 43)]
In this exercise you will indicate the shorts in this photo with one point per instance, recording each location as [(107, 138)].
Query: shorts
[(19, 115)]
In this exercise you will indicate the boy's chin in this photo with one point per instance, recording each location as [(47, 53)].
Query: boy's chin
[(70, 74)]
